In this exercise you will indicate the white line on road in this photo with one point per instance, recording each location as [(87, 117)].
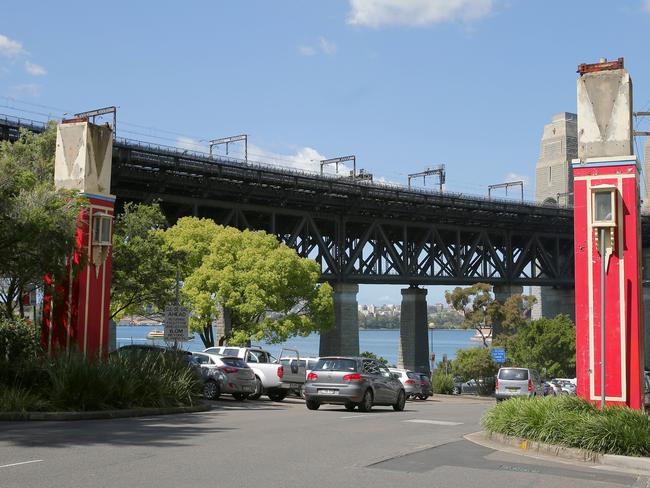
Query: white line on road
[(433, 422), (24, 462)]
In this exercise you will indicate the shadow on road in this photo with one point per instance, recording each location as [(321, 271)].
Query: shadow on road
[(155, 431)]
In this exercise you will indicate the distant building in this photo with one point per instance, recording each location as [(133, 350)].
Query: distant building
[(559, 145), (554, 186)]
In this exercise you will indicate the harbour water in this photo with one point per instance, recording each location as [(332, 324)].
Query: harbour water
[(383, 343)]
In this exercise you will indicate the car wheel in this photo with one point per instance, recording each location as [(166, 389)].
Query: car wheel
[(455, 391), (312, 404), (258, 389), (366, 402), (401, 401), (239, 396), (349, 406), (211, 390), (278, 396)]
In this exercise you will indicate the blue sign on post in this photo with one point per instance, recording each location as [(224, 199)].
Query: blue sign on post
[(499, 355)]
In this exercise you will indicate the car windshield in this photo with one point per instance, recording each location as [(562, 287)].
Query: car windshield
[(413, 376), (234, 362), (336, 364), (513, 374), (231, 352)]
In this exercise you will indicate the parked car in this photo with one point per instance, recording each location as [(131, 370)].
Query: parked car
[(517, 382), (548, 389), (267, 369), (224, 374), (426, 388), (460, 386), (410, 381), (556, 387), (295, 370), (646, 396), (353, 382)]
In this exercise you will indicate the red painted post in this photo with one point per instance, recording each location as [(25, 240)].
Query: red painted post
[(76, 311), (607, 236)]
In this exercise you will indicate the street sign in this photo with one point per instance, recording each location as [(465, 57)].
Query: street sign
[(498, 354), (176, 318)]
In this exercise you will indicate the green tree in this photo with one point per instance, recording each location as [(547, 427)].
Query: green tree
[(478, 307), (37, 222), (372, 355), (269, 292), (476, 363), (143, 263), (548, 345)]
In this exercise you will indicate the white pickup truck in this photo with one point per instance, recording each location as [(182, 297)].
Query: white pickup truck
[(267, 369), (295, 369)]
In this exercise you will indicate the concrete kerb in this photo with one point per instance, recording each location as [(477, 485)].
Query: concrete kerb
[(103, 414), (525, 447)]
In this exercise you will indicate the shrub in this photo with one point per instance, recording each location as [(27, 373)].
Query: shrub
[(19, 340), (138, 379), (13, 399), (572, 422), (442, 383)]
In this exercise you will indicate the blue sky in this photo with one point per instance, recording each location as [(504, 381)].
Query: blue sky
[(403, 84)]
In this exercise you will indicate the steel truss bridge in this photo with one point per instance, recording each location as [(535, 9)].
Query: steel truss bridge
[(359, 232)]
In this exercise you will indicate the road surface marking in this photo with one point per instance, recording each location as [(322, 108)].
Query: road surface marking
[(24, 462), (433, 422), (359, 416)]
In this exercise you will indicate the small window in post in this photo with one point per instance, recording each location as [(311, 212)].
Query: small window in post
[(102, 229), (604, 207)]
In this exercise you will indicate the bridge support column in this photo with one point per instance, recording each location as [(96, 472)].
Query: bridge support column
[(343, 338), (413, 351), (501, 294), (552, 301)]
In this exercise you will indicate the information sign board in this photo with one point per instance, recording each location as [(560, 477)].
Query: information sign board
[(499, 355), (176, 318)]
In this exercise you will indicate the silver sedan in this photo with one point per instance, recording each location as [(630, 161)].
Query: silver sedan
[(353, 382)]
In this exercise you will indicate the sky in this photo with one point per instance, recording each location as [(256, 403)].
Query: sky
[(401, 84)]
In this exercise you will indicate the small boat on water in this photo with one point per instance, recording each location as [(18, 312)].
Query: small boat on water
[(478, 336), (156, 334)]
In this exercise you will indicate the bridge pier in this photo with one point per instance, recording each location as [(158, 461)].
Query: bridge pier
[(343, 338), (413, 350), (501, 294), (552, 301)]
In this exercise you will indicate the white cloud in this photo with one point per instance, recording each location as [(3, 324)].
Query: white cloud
[(377, 13), (325, 46), (304, 158), (190, 144), (517, 177), (646, 5), (10, 48), (35, 69), (328, 47), (26, 90), (306, 50)]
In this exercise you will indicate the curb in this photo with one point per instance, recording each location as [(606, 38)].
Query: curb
[(534, 448), (103, 414)]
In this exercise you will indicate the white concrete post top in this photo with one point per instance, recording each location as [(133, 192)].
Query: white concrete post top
[(605, 114), (84, 154)]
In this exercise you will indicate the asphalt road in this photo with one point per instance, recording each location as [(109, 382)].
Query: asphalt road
[(267, 444)]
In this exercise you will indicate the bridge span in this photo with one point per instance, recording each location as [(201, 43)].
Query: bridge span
[(359, 232)]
